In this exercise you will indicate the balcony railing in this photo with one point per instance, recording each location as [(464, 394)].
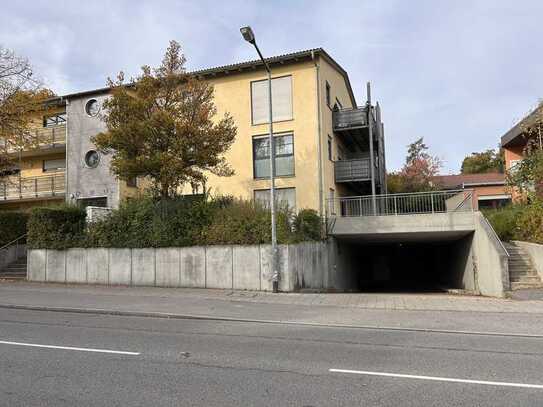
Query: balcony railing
[(352, 170), (32, 187), (45, 137), (402, 204), (344, 119)]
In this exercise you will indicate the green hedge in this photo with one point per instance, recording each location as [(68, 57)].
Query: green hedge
[(56, 227), (12, 226), (187, 221), (518, 222)]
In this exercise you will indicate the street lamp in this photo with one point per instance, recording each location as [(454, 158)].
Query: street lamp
[(249, 36)]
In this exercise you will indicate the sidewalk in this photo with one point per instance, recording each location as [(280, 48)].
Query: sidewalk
[(418, 311)]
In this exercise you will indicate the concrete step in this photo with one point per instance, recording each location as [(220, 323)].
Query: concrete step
[(521, 285), (526, 279)]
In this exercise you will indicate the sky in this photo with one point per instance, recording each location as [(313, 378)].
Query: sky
[(459, 73)]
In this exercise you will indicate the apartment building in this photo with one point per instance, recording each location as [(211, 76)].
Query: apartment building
[(322, 140)]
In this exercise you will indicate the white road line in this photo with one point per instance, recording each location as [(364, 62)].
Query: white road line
[(35, 345), (439, 379)]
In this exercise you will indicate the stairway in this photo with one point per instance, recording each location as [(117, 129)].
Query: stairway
[(15, 271), (522, 273)]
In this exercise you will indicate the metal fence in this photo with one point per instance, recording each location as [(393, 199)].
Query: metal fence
[(402, 204), (352, 170), (32, 187), (346, 118), (37, 138)]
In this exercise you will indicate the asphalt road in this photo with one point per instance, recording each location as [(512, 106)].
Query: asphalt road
[(62, 359)]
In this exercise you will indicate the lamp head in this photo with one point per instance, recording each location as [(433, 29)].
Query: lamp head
[(248, 34)]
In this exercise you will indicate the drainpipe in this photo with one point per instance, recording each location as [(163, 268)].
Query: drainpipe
[(319, 135)]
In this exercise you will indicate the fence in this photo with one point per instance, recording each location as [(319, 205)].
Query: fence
[(402, 204)]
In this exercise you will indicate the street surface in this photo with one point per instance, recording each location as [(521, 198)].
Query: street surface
[(68, 359)]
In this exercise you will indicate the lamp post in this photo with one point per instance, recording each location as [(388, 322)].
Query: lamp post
[(249, 36)]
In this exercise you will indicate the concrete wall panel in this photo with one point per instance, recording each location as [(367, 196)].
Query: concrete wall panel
[(246, 267), (193, 267), (167, 267), (143, 267), (76, 266), (219, 267), (36, 264), (55, 269), (97, 266), (265, 268), (120, 266)]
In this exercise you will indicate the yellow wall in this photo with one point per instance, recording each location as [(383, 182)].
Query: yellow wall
[(233, 95)]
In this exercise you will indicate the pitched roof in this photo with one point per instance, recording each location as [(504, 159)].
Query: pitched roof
[(469, 180), (230, 69), (513, 136)]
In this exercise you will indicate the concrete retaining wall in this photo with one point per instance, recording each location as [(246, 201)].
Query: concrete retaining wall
[(535, 251), (229, 267)]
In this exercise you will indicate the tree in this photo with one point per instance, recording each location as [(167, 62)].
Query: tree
[(163, 126), (417, 173), (21, 96), (487, 161)]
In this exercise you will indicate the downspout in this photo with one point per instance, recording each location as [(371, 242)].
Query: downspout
[(319, 135)]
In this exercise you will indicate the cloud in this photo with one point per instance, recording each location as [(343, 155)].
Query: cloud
[(456, 73)]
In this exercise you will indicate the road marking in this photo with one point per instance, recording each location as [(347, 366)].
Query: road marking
[(35, 345), (439, 379)]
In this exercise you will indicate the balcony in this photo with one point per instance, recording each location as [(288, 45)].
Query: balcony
[(349, 119), (355, 170), (45, 186), (45, 138)]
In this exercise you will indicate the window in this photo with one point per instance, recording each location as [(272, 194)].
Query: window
[(281, 100), (284, 197), (54, 120), (284, 156), (132, 182), (513, 164), (100, 201), (331, 202), (92, 107), (54, 165), (328, 96), (92, 159), (330, 148)]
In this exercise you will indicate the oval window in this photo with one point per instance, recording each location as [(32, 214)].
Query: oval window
[(92, 158), (92, 107)]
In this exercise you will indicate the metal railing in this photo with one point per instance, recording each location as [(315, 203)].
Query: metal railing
[(349, 118), (38, 138), (402, 204), (8, 255), (32, 187), (352, 170)]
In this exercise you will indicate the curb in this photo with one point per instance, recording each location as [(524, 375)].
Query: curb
[(165, 315)]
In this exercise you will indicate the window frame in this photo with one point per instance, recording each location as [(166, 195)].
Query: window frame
[(291, 100), (328, 95), (330, 154), (57, 169), (277, 189), (281, 134)]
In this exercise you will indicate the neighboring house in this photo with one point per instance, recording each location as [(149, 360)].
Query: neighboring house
[(38, 175), (514, 141), (489, 189), (322, 139)]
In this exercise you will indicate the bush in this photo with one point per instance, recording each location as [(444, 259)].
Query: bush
[(504, 221), (185, 221), (246, 222), (56, 227), (530, 223), (308, 225), (12, 226)]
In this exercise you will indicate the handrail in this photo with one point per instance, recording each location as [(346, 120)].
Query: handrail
[(13, 241), (452, 191), (494, 234)]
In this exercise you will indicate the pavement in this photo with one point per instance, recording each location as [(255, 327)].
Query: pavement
[(438, 312), (65, 359)]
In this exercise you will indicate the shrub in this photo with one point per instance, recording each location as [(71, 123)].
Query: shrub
[(56, 227), (246, 222), (504, 221), (530, 223), (12, 226), (308, 225)]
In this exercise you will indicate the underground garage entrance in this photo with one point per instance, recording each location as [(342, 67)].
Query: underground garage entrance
[(420, 262)]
